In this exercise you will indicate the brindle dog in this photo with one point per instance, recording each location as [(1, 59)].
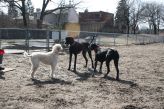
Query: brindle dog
[(107, 56)]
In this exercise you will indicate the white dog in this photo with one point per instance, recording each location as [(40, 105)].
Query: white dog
[(49, 58)]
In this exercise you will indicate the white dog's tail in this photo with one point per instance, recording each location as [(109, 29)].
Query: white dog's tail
[(26, 54)]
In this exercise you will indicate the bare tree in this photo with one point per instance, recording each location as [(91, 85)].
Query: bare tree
[(152, 14), (162, 20), (135, 15), (21, 5), (4, 20), (45, 12), (12, 10)]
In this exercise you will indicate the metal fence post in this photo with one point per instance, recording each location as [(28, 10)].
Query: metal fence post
[(47, 40), (114, 39), (127, 39), (27, 39), (7, 33), (0, 39), (99, 40), (143, 39), (136, 38), (59, 36)]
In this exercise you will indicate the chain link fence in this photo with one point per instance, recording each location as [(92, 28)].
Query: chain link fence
[(35, 39), (116, 39)]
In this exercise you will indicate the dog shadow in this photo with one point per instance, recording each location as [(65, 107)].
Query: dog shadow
[(82, 75), (131, 83), (40, 83), (1, 75), (85, 75)]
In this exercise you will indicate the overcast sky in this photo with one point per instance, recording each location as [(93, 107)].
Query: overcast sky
[(91, 5)]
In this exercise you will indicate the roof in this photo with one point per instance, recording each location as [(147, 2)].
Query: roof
[(95, 16)]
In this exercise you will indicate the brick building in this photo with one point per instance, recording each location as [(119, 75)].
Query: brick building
[(96, 21)]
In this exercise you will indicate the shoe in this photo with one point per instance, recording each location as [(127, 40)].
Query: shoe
[(1, 68)]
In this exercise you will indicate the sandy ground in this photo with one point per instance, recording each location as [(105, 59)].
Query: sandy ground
[(141, 84)]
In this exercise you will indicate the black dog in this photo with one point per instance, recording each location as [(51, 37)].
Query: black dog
[(106, 55), (75, 48)]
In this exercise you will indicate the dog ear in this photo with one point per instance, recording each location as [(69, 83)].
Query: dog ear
[(59, 48)]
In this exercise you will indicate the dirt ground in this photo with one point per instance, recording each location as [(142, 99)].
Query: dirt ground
[(141, 84)]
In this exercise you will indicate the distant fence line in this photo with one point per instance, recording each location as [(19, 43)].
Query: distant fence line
[(41, 38), (16, 33)]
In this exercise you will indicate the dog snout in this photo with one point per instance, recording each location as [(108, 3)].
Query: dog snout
[(66, 44), (62, 49)]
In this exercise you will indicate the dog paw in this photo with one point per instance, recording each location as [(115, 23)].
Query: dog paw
[(52, 76), (74, 71), (100, 72), (33, 79), (105, 76), (93, 75), (117, 78)]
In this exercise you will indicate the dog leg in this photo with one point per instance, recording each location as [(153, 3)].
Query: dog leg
[(100, 70), (116, 66), (70, 59), (90, 55), (75, 62), (33, 69), (108, 68), (53, 70), (94, 68), (85, 57)]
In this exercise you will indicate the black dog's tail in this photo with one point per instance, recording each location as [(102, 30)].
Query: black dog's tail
[(116, 54), (113, 53)]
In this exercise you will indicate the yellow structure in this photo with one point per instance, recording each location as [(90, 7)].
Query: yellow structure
[(73, 29)]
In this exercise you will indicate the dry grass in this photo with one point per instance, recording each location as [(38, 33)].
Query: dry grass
[(141, 85)]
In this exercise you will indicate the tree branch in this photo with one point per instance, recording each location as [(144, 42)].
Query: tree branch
[(53, 10)]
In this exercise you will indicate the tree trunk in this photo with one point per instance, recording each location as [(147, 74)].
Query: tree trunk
[(24, 14), (155, 28), (24, 20), (134, 31), (39, 23), (40, 20)]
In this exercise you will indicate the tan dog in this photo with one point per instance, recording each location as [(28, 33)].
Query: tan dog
[(49, 58)]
